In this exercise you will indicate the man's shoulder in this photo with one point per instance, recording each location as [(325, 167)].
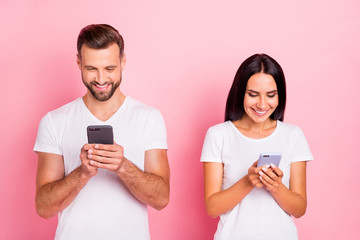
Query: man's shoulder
[(66, 109), (138, 106)]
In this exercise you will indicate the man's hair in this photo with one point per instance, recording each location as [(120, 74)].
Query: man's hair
[(258, 63), (99, 36)]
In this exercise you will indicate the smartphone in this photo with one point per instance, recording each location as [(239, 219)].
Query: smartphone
[(268, 158), (102, 134)]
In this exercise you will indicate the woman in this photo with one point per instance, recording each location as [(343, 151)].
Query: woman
[(255, 202)]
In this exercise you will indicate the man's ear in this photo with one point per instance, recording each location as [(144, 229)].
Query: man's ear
[(123, 61), (78, 61)]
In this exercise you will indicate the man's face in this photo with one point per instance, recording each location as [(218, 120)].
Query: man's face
[(101, 70)]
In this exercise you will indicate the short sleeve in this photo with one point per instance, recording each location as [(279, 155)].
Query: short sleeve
[(155, 132), (212, 147), (46, 138), (301, 150)]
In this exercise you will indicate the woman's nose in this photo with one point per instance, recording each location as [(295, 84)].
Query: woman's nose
[(261, 103)]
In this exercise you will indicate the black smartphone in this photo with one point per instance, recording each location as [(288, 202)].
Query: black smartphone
[(102, 134)]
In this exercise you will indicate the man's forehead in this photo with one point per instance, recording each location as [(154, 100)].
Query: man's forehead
[(109, 50)]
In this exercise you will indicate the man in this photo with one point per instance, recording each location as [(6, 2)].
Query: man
[(101, 191)]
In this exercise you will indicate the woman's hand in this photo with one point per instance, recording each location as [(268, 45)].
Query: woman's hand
[(253, 175), (293, 199), (270, 177)]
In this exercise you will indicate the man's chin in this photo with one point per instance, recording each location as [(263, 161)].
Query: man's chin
[(101, 97)]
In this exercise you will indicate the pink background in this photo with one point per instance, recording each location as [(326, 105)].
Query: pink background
[(181, 58)]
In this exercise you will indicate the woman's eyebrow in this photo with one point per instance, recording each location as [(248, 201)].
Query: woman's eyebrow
[(250, 90)]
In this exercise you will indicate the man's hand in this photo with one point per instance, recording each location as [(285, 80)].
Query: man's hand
[(86, 168), (150, 186), (105, 156)]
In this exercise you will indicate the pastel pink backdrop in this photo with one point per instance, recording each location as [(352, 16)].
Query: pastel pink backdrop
[(181, 58)]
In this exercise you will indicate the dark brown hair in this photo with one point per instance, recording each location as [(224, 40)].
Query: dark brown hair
[(99, 36)]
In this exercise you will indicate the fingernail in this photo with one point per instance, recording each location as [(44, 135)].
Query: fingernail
[(96, 146), (261, 173), (91, 162), (260, 177), (265, 169), (90, 151), (273, 165), (89, 156)]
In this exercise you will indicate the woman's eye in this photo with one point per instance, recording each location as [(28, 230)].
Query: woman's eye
[(252, 94), (272, 95)]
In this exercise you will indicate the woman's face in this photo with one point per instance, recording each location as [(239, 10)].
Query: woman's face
[(261, 97)]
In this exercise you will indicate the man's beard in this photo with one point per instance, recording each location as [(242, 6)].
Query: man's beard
[(102, 95)]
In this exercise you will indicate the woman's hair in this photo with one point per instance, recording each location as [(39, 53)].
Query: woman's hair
[(258, 63), (99, 36)]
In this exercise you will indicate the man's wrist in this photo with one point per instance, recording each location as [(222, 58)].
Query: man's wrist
[(83, 175), (123, 167)]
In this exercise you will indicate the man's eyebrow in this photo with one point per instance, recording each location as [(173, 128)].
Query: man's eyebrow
[(89, 66)]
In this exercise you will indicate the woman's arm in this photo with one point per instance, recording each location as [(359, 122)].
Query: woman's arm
[(218, 202), (292, 200)]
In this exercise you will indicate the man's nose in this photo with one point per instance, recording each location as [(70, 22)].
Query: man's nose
[(101, 77)]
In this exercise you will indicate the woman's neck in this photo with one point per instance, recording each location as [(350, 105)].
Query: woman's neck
[(252, 129)]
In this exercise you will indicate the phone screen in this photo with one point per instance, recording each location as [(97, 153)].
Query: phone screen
[(102, 134), (268, 158)]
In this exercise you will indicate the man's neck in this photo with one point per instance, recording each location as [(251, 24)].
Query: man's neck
[(104, 110)]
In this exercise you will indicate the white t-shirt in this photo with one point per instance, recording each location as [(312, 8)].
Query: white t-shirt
[(257, 216), (104, 208)]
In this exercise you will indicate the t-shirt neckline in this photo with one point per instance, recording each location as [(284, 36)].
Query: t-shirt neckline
[(256, 139), (108, 120)]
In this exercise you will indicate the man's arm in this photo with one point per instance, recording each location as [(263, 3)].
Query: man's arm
[(150, 186), (54, 192)]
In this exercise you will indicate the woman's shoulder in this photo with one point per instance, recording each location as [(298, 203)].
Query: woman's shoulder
[(289, 128), (220, 127), (219, 131)]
